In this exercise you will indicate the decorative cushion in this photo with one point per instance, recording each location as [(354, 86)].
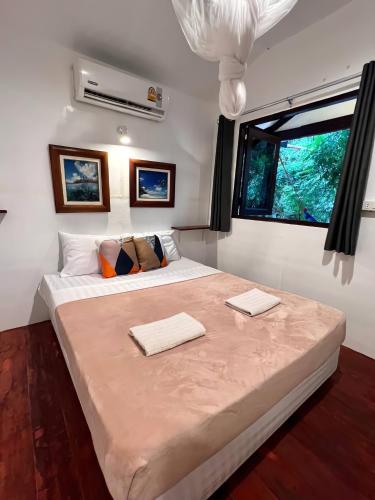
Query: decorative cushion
[(118, 257), (150, 252), (168, 243)]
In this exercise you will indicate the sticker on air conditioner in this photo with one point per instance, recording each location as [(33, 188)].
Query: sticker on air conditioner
[(152, 95)]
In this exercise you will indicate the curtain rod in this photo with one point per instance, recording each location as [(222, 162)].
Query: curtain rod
[(291, 98)]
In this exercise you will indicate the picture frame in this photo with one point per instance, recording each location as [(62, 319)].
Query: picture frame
[(80, 179), (152, 184)]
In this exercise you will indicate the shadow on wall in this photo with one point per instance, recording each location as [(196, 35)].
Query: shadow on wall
[(345, 262), (211, 238), (39, 310)]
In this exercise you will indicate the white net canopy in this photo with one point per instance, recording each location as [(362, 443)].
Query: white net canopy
[(225, 31)]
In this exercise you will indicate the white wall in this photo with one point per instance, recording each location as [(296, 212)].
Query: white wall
[(37, 108), (292, 257)]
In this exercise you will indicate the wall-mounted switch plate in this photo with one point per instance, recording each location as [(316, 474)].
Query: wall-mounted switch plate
[(369, 206)]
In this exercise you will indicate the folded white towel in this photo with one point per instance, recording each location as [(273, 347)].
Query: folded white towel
[(253, 302), (167, 333)]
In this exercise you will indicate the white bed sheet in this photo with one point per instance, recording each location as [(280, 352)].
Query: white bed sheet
[(55, 290), (211, 474)]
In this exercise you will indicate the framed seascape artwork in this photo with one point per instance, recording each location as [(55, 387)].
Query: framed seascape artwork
[(152, 184), (80, 179)]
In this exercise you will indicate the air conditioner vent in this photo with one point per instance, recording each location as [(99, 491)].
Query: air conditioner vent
[(123, 103)]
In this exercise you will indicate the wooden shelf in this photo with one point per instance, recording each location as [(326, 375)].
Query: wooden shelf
[(190, 228), (3, 211)]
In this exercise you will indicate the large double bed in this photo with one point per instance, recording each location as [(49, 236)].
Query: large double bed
[(179, 423)]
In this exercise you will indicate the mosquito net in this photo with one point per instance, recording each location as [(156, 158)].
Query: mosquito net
[(225, 31)]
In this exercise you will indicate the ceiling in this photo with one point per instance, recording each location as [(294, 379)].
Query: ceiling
[(143, 36)]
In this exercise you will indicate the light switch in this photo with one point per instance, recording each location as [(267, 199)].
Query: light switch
[(368, 206)]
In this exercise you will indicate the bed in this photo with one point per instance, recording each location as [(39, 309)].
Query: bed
[(178, 424)]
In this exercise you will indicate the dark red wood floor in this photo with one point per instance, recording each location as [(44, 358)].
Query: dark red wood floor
[(324, 451)]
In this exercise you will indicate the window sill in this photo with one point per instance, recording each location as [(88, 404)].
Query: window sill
[(282, 221)]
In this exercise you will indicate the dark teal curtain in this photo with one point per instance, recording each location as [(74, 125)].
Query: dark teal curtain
[(346, 216), (221, 188)]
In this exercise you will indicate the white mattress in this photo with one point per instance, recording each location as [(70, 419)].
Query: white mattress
[(204, 480)]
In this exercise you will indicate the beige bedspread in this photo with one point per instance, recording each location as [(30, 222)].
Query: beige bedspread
[(155, 419)]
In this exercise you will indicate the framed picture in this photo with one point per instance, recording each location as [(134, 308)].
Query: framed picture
[(80, 179), (152, 184)]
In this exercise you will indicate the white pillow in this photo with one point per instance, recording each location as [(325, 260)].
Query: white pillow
[(80, 253), (169, 245), (166, 237)]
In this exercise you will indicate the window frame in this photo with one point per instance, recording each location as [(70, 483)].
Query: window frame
[(257, 134), (316, 128)]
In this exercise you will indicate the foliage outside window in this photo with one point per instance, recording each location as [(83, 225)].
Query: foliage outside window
[(290, 174)]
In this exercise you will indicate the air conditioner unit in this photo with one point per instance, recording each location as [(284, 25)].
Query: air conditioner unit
[(115, 89)]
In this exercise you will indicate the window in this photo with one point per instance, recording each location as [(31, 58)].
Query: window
[(289, 164)]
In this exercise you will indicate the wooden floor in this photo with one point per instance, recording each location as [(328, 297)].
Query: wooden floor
[(325, 451)]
